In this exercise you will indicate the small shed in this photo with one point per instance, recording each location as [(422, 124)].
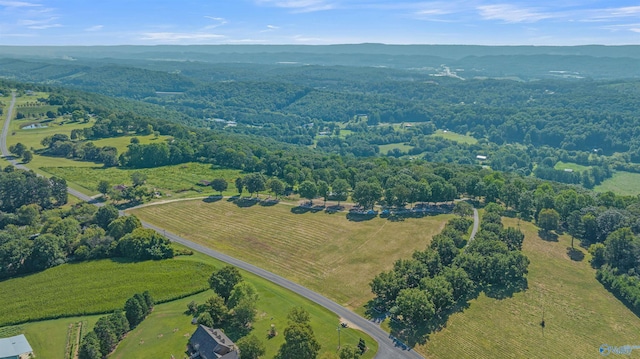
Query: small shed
[(15, 348), (481, 157)]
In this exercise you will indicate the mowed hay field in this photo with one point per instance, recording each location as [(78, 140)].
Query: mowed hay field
[(580, 314), (325, 252)]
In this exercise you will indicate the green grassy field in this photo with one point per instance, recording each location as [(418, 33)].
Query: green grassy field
[(456, 137), (174, 181), (384, 149), (97, 287), (157, 336), (325, 252), (571, 166), (122, 142), (622, 183), (580, 314)]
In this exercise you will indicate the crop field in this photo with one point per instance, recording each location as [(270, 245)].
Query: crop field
[(384, 149), (97, 287), (325, 252), (456, 137), (622, 183), (174, 181), (157, 336), (579, 313)]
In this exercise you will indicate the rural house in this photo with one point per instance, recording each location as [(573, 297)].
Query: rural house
[(15, 348), (208, 343)]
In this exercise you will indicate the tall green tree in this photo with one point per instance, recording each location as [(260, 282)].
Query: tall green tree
[(276, 187), (223, 280), (340, 190), (219, 184), (548, 219), (367, 194), (308, 190), (90, 347), (251, 347), (300, 341)]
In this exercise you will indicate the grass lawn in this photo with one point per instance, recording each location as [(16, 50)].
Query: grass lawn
[(122, 142), (97, 287), (173, 181), (384, 149), (324, 252), (580, 314), (157, 336), (48, 338), (456, 137), (622, 183), (572, 166)]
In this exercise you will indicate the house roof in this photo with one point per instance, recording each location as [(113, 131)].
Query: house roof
[(213, 344), (14, 346)]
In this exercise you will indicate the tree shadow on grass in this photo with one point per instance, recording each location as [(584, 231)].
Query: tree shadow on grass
[(300, 210), (333, 209), (502, 291), (419, 335), (357, 217), (269, 202), (246, 202), (212, 199), (575, 255), (548, 236)]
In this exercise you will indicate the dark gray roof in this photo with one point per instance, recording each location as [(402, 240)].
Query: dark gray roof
[(213, 344)]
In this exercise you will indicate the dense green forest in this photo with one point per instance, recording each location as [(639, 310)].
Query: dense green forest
[(318, 131)]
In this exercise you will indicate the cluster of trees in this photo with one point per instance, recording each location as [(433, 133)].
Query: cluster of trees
[(21, 151), (299, 339), (32, 239), (62, 146), (618, 263), (232, 306), (431, 284), (19, 188), (111, 329)]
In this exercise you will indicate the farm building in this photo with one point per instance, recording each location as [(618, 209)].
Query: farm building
[(15, 348), (481, 157), (208, 343)]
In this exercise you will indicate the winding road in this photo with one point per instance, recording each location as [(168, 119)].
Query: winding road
[(388, 346)]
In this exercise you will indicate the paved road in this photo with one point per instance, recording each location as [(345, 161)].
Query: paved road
[(388, 347), (476, 223)]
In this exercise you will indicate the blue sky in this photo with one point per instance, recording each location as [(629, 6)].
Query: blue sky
[(485, 22)]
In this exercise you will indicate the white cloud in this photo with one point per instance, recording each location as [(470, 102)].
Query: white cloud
[(94, 28), (17, 4), (218, 21), (299, 5), (40, 24), (513, 14), (179, 36)]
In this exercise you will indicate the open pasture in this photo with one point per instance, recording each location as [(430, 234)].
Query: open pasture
[(325, 252), (579, 313)]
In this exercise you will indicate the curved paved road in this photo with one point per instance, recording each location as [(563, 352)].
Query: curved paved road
[(388, 346)]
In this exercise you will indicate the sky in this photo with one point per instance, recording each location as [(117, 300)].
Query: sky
[(313, 22)]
